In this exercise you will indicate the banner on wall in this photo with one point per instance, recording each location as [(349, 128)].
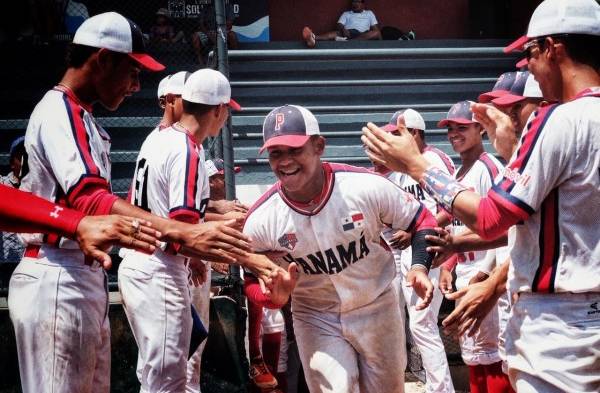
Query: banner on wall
[(250, 17)]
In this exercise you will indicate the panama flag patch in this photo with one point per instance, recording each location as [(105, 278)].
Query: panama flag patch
[(354, 221)]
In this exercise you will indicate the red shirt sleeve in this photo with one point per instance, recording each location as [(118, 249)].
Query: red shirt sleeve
[(255, 294), (495, 217), (26, 213)]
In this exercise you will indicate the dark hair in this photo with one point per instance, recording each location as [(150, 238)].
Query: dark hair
[(580, 48), (197, 109), (78, 54)]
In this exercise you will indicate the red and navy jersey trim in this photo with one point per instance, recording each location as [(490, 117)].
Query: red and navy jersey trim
[(80, 135), (535, 129), (549, 240), (84, 181), (264, 197), (185, 214), (325, 194), (512, 200), (445, 159), (416, 218), (192, 163)]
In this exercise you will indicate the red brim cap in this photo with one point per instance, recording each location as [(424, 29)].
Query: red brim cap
[(517, 45), (507, 100), (285, 140), (459, 120), (147, 62), (490, 95), (390, 127), (234, 105), (522, 63)]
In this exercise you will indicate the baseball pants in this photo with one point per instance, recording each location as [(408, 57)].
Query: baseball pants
[(362, 350), (156, 300), (426, 335), (60, 316), (201, 301), (553, 343)]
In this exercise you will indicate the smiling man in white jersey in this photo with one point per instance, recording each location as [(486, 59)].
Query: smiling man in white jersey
[(327, 219), (423, 323), (550, 189)]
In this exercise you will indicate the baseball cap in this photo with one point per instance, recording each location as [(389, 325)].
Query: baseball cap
[(114, 32), (459, 113), (162, 85), (19, 142), (553, 17), (412, 119), (289, 125), (209, 87), (176, 83), (525, 86), (217, 166), (502, 87)]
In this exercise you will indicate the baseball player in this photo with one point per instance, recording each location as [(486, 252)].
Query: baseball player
[(171, 181), (477, 172), (24, 212), (423, 323), (550, 188), (346, 312), (68, 160)]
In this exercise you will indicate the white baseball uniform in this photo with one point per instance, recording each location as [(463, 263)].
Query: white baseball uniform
[(424, 323), (58, 303), (552, 184), (346, 314), (170, 181), (201, 301), (482, 347)]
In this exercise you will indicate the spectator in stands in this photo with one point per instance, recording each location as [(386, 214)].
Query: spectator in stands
[(204, 38), (356, 24), (163, 30)]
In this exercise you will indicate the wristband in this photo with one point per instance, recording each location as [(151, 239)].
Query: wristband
[(441, 186)]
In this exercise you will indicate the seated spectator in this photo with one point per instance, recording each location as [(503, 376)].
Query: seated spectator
[(204, 37), (356, 24), (16, 158), (163, 30)]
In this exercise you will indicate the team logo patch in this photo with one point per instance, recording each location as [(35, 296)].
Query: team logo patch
[(289, 241), (354, 221)]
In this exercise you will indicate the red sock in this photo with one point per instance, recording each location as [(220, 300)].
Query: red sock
[(496, 380), (477, 381), (255, 314), (270, 347)]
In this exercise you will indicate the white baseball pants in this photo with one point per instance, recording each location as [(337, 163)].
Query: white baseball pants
[(201, 301)]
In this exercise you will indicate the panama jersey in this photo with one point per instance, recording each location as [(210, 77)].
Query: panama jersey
[(170, 177), (342, 260), (67, 150), (553, 184), (437, 158), (479, 178)]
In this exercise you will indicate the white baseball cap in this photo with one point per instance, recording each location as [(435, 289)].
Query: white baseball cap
[(210, 87), (412, 119), (162, 85), (176, 83), (114, 32), (553, 17)]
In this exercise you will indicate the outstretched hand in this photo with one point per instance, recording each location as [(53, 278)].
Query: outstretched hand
[(441, 245), (400, 239), (95, 235), (420, 282), (398, 152), (476, 301), (499, 127), (283, 284)]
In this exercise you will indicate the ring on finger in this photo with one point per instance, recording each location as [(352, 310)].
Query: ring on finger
[(135, 224)]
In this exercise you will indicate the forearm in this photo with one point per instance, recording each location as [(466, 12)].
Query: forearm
[(469, 241), (170, 229), (500, 277)]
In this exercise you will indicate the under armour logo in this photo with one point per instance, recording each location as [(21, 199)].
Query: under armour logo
[(57, 209), (279, 120)]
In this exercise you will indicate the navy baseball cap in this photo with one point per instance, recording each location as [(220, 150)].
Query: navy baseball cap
[(502, 87), (15, 145), (289, 125), (216, 166), (459, 113), (525, 86), (412, 119)]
